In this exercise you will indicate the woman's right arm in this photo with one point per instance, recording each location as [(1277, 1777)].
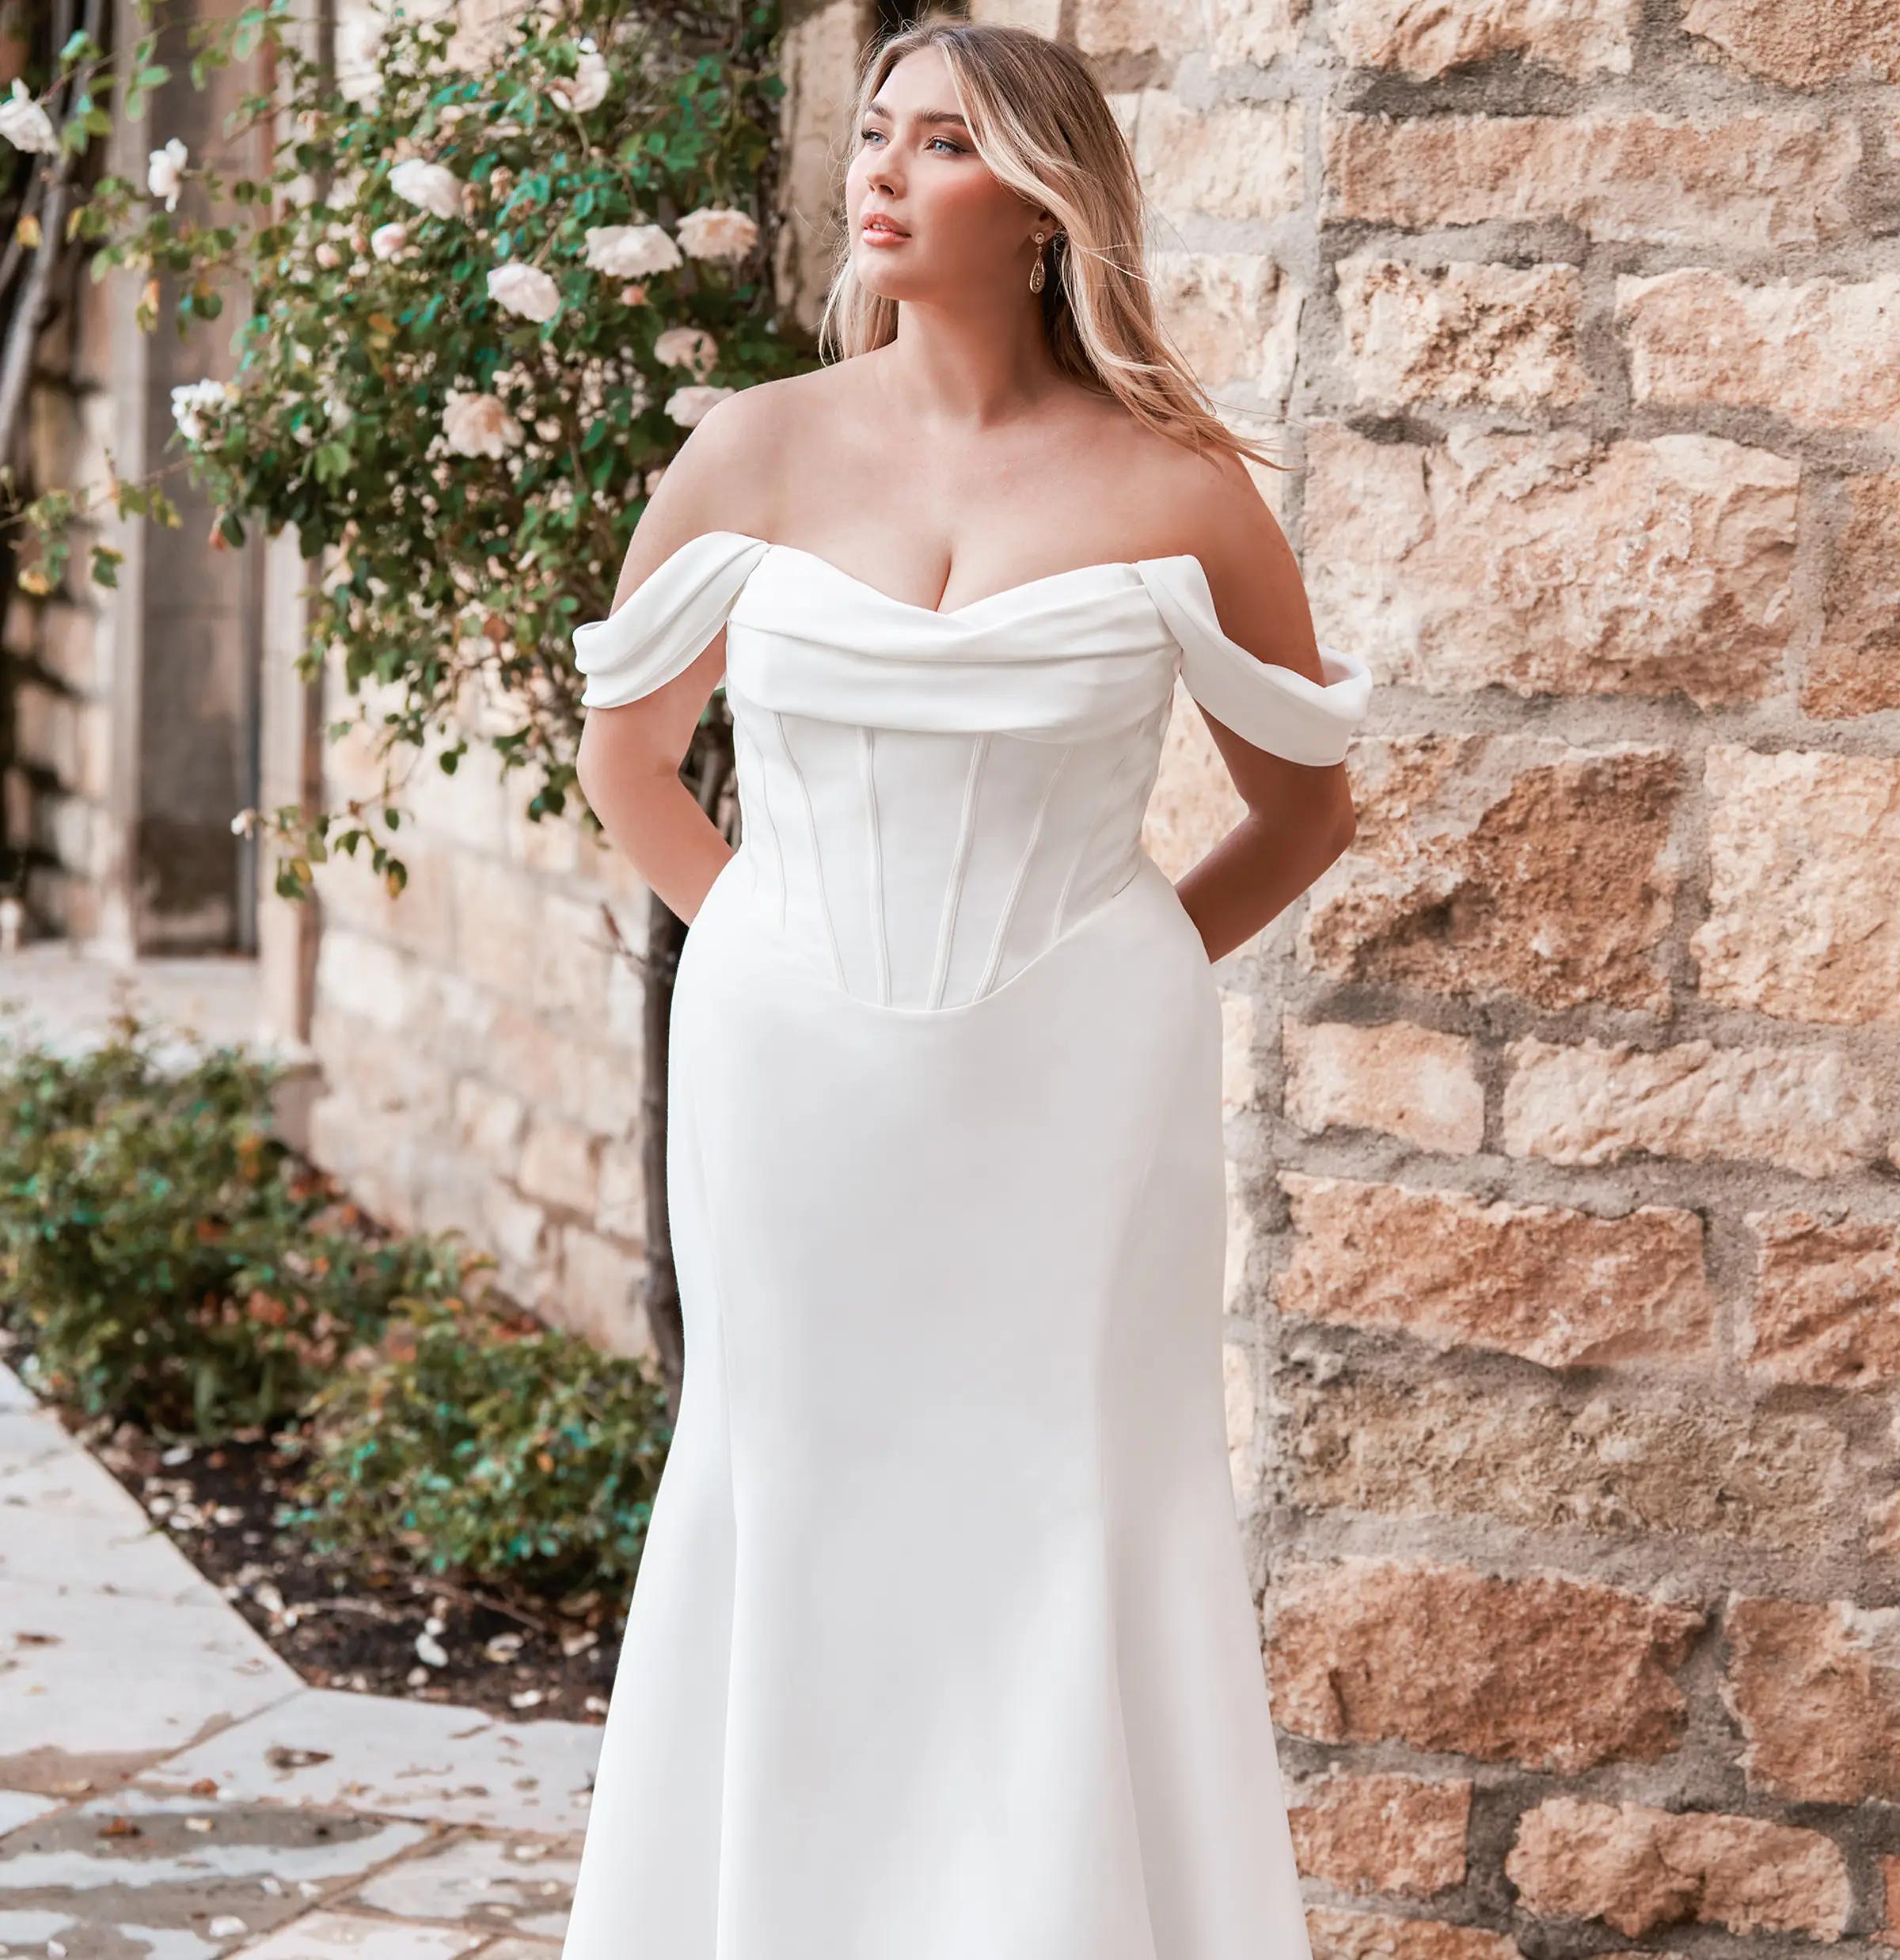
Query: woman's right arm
[(629, 758)]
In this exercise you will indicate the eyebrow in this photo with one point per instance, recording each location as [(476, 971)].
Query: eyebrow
[(926, 116)]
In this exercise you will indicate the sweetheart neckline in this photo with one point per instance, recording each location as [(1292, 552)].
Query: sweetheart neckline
[(969, 606)]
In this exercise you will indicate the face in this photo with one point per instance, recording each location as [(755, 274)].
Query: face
[(915, 166)]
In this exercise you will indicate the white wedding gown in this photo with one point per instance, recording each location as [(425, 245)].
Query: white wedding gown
[(942, 1646)]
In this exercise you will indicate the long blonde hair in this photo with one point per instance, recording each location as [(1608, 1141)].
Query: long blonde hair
[(1040, 122)]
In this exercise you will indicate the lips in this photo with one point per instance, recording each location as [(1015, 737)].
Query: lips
[(877, 222)]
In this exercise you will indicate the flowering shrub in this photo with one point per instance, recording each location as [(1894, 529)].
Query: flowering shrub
[(488, 299)]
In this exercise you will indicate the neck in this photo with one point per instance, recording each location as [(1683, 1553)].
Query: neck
[(970, 366)]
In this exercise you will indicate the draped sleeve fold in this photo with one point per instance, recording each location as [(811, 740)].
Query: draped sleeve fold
[(668, 620), (1271, 706)]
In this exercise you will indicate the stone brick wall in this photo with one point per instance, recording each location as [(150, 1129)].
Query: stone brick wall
[(1565, 1275), (479, 1038), (58, 767)]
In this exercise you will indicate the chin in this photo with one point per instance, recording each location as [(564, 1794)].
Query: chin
[(876, 277)]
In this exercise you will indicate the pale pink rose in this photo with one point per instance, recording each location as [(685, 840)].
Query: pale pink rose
[(433, 187), (524, 289), (634, 294), (387, 241), (587, 89), (327, 257), (192, 400), (717, 231), (687, 406), (24, 122), (164, 172), (687, 346), (478, 425), (631, 251)]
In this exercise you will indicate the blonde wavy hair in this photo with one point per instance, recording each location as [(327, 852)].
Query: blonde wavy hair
[(1039, 121)]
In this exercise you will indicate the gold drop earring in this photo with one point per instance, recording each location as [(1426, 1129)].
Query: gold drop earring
[(1036, 274)]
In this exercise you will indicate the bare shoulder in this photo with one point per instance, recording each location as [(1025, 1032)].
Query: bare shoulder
[(713, 482), (1216, 511), (725, 477), (708, 484), (1212, 507)]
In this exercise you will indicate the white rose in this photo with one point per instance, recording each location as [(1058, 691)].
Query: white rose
[(687, 406), (585, 89), (524, 289), (164, 172), (24, 122), (386, 241), (478, 425), (717, 231), (631, 251), (433, 187), (687, 346), (327, 256)]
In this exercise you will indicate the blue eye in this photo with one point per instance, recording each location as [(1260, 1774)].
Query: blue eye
[(955, 150)]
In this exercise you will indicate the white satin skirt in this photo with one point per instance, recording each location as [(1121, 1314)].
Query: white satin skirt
[(942, 1647)]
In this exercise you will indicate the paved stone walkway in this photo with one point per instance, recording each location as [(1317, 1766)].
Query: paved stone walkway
[(169, 1789)]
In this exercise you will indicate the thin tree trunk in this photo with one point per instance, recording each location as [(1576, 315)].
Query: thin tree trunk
[(666, 936)]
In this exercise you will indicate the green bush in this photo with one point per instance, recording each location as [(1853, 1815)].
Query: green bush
[(171, 1263), (167, 1259), (487, 1443)]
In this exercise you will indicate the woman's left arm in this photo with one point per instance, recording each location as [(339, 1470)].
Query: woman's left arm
[(1299, 815)]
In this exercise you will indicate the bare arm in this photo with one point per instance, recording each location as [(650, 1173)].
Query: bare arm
[(1299, 817), (629, 758)]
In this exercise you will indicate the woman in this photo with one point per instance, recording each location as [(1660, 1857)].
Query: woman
[(942, 1647)]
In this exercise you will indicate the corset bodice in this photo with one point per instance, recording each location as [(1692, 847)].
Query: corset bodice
[(930, 801)]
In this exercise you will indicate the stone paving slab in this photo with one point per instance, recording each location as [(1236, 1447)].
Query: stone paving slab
[(65, 996), (515, 1885), (94, 1685), (179, 1877), (171, 1790), (417, 1759), (28, 1436), (66, 1521), (21, 1806), (351, 1937)]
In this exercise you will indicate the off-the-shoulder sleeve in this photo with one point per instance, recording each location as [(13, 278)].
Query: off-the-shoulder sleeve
[(1271, 706), (666, 623)]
